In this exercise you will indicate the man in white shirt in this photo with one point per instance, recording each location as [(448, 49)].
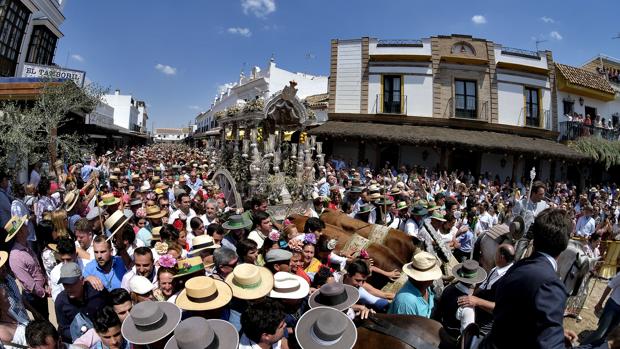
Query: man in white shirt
[(67, 253), (416, 220), (211, 212), (585, 224), (84, 236), (144, 265), (262, 228), (536, 204), (184, 211)]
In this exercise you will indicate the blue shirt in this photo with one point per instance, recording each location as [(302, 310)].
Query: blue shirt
[(466, 241), (110, 280), (409, 301)]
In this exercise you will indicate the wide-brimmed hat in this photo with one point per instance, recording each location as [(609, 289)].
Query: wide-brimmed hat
[(355, 190), (438, 216), (204, 293), (401, 205), (289, 286), (235, 222), (13, 226), (374, 196), (115, 222), (135, 177), (418, 210), (374, 188), (383, 201), (395, 190), (517, 227), (149, 322), (154, 212), (325, 327), (249, 281), (140, 285), (4, 257), (135, 202), (336, 295), (116, 170), (200, 333), (423, 267), (94, 213), (202, 242), (71, 198), (366, 208), (161, 186), (108, 200), (155, 234), (189, 266), (469, 272)]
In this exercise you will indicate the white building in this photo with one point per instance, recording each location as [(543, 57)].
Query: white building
[(125, 110), (34, 32), (262, 84), (171, 134), (444, 102), (103, 116)]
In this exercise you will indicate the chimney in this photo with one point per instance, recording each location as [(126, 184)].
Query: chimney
[(117, 92)]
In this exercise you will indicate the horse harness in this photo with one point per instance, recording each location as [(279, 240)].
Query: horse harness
[(408, 337)]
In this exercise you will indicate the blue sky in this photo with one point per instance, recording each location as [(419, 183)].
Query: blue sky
[(175, 54)]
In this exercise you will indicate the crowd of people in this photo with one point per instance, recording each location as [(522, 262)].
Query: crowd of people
[(138, 247)]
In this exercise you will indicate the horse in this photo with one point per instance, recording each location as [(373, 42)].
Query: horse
[(382, 257), (573, 264), (397, 241), (402, 332)]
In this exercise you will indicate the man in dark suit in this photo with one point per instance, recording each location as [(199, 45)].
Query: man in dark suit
[(530, 298)]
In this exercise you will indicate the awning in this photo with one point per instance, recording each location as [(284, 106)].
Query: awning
[(428, 135)]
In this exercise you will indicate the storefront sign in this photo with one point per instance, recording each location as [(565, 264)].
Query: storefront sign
[(50, 72)]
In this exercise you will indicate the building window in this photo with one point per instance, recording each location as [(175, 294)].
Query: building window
[(466, 99), (532, 107), (392, 90), (569, 107), (13, 20), (42, 46)]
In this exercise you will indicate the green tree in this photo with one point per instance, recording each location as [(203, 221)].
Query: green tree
[(30, 129)]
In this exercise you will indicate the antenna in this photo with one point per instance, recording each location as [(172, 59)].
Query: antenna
[(539, 41)]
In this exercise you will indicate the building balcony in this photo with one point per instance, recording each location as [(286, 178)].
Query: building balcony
[(572, 130)]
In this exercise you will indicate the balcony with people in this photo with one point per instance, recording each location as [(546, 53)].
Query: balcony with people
[(577, 125)]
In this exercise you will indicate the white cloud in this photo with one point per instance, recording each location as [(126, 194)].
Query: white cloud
[(166, 69), (240, 31), (479, 19), (547, 19), (77, 57), (194, 107), (259, 8), (555, 35)]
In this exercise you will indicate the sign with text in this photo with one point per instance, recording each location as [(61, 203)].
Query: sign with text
[(51, 72)]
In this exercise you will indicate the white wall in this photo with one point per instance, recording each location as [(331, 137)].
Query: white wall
[(511, 92), (508, 58), (125, 113), (412, 156), (307, 85), (604, 109), (349, 77), (103, 115), (418, 88), (425, 50), (492, 163)]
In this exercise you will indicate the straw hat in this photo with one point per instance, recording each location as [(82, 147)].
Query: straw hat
[(289, 286), (115, 222), (149, 322), (374, 196), (4, 256), (438, 216), (71, 198), (395, 191), (325, 327), (336, 295), (202, 242), (249, 281), (366, 208), (155, 233), (13, 226), (154, 212), (419, 210), (204, 293), (469, 272), (108, 200), (199, 333), (401, 205), (189, 266), (424, 267)]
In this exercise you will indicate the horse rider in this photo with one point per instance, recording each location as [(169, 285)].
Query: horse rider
[(529, 210)]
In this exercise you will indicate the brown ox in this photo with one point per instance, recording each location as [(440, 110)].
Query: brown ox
[(430, 332), (396, 241), (383, 258)]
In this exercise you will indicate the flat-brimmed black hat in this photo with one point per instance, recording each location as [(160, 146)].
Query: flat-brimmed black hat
[(335, 295)]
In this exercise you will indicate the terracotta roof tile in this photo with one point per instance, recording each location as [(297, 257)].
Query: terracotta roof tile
[(585, 78)]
